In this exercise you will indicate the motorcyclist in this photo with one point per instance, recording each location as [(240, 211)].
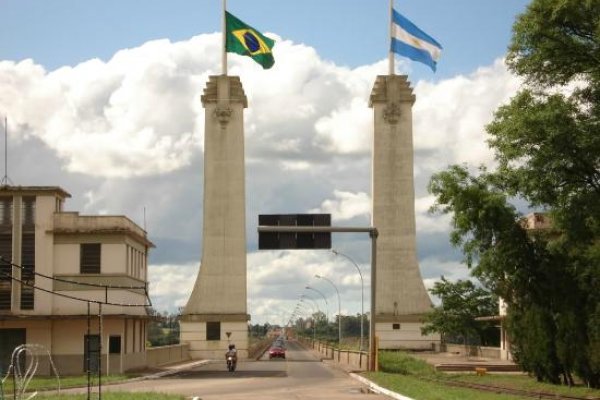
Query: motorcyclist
[(232, 352)]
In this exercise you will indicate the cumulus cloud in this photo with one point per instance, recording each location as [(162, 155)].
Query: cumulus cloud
[(345, 205), (125, 136)]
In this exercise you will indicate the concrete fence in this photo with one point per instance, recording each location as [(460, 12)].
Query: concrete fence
[(351, 359), (162, 355), (472, 351)]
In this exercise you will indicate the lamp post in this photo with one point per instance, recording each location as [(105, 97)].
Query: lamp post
[(305, 296), (339, 307), (362, 295), (324, 298), (314, 325)]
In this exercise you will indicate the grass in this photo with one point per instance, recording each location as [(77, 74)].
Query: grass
[(526, 383), (50, 383), (415, 388), (415, 378), (115, 396)]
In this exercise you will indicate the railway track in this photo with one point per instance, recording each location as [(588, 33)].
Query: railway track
[(517, 392)]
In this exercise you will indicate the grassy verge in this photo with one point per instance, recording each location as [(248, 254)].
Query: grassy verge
[(49, 383), (115, 396), (525, 382), (415, 378), (417, 389)]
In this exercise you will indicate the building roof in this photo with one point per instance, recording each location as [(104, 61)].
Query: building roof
[(37, 190), (72, 223)]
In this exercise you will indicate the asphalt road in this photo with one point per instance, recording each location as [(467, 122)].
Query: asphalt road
[(301, 375)]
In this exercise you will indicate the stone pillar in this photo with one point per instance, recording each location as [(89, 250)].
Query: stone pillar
[(218, 301), (401, 297)]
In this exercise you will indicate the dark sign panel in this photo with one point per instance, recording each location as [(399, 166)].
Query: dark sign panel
[(294, 240)]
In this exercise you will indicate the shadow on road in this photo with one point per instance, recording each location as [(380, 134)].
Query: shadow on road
[(205, 374)]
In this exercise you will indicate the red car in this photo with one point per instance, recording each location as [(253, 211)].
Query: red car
[(276, 352)]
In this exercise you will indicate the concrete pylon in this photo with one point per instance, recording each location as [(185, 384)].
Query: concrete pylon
[(401, 297), (216, 312)]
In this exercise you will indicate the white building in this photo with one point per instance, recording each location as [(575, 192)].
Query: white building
[(52, 263)]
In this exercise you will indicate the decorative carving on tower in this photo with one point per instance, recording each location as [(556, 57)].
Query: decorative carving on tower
[(223, 115), (391, 113)]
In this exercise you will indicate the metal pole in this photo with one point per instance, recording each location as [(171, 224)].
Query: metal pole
[(391, 66), (315, 303), (372, 231), (87, 357), (339, 308), (224, 55), (372, 340), (362, 296), (324, 298), (100, 351)]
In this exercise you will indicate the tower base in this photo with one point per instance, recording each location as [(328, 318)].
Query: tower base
[(403, 332), (204, 345)]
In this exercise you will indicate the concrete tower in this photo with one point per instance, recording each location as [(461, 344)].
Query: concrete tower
[(216, 312), (401, 297)]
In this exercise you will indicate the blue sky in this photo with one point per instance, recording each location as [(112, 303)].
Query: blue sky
[(348, 32), (108, 108)]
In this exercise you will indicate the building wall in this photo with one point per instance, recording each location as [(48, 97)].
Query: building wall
[(407, 336), (194, 334), (59, 324)]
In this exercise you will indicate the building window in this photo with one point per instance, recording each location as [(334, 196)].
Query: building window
[(5, 271), (6, 211), (90, 258), (28, 216), (213, 331), (114, 345), (27, 271), (395, 326)]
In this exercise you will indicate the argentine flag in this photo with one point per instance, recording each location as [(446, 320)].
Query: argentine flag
[(409, 41)]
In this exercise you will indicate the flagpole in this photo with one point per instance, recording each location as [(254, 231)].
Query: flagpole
[(224, 55), (391, 53)]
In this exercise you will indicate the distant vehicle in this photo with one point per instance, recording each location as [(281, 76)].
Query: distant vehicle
[(276, 352)]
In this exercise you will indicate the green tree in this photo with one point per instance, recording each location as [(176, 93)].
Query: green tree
[(547, 144), (462, 302)]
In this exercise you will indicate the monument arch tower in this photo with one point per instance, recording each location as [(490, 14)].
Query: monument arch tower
[(401, 297), (216, 312)]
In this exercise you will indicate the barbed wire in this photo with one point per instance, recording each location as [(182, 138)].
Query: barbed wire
[(70, 281), (149, 303)]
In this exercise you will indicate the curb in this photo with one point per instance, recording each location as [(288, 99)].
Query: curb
[(378, 389), (172, 371)]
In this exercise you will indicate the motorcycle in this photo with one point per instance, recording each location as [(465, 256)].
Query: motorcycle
[(231, 362)]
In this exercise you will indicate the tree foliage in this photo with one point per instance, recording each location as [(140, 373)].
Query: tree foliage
[(462, 302), (547, 144)]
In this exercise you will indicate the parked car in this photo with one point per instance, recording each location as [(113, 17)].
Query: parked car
[(276, 352)]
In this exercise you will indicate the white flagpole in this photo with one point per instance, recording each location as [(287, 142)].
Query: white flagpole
[(224, 55), (391, 53)]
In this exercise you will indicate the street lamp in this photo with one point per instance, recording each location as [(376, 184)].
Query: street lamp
[(362, 295), (324, 298), (314, 324), (339, 308)]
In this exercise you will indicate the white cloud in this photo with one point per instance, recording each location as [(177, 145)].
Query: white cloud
[(127, 134), (345, 205), (170, 285)]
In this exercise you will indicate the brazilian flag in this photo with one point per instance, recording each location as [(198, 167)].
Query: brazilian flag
[(247, 41)]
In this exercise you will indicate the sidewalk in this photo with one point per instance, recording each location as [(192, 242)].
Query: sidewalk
[(449, 362)]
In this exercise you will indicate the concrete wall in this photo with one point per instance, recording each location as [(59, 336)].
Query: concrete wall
[(194, 334), (473, 351), (64, 339), (351, 359), (407, 336), (156, 356)]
